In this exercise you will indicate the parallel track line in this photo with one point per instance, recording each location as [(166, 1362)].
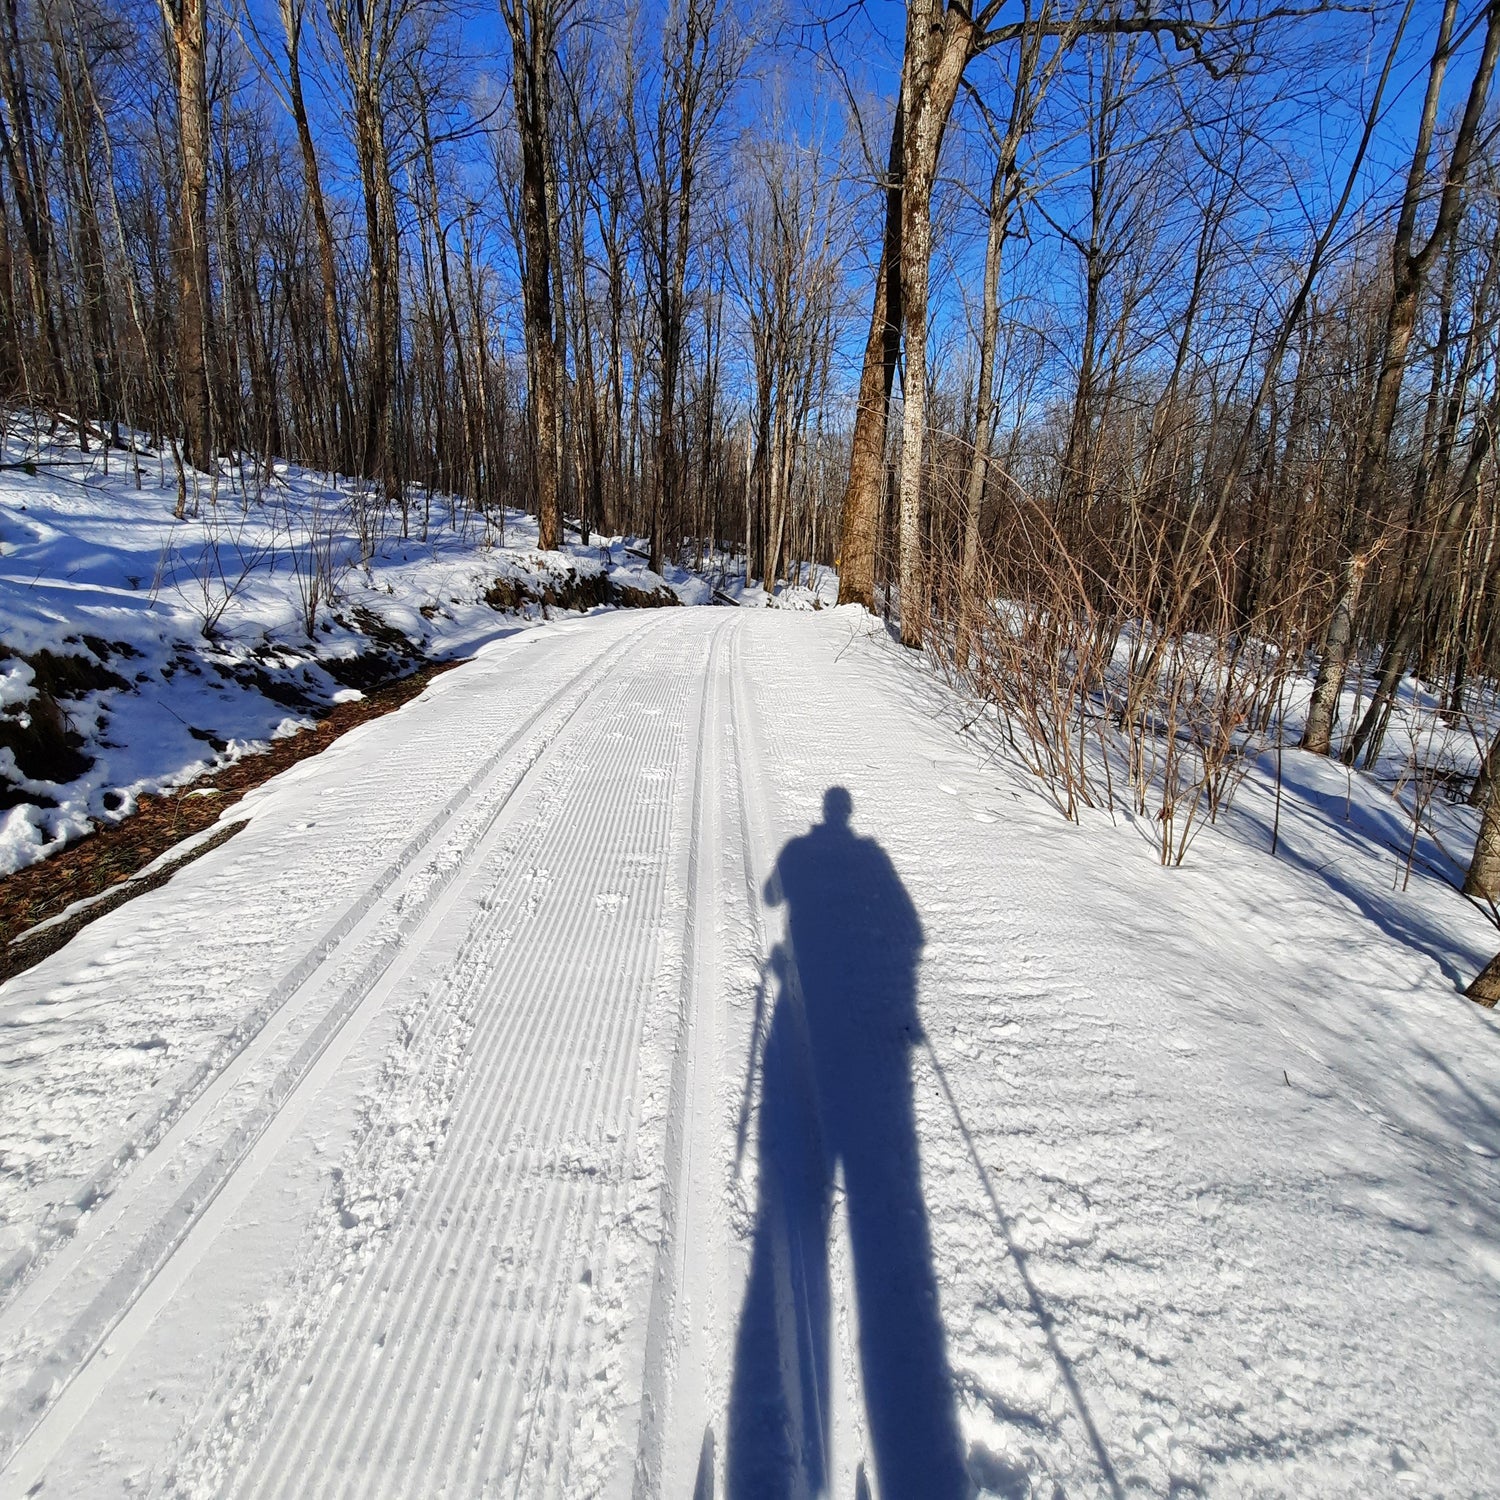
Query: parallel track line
[(52, 1398)]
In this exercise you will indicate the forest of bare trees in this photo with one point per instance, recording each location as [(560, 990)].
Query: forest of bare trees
[(1135, 358)]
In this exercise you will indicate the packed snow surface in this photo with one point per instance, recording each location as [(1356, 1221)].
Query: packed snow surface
[(666, 1059)]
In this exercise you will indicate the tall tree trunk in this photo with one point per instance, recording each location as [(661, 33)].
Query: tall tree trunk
[(559, 304), (292, 12), (12, 362), (984, 415), (864, 492), (90, 236), (937, 49), (187, 21), (531, 25)]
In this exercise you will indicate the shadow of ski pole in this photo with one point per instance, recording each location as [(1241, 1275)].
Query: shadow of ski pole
[(1039, 1308)]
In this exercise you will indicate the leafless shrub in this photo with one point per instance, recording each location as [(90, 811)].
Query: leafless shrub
[(317, 550), (210, 572), (1101, 707)]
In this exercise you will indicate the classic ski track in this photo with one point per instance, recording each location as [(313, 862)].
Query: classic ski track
[(361, 915), (347, 1421), (425, 1033), (845, 1434), (480, 1387), (683, 1396), (50, 1399), (101, 1191)]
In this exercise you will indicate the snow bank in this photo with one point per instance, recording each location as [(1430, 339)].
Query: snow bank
[(138, 650)]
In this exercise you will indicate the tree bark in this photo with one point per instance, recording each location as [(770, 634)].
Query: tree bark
[(187, 22), (938, 40), (1483, 878), (291, 19), (1485, 989), (531, 26), (1450, 528), (865, 490), (89, 254), (1489, 774)]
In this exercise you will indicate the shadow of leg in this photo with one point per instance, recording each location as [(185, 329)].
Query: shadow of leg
[(777, 1440), (909, 1400)]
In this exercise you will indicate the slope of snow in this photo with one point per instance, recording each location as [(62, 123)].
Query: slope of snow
[(193, 636), (665, 1054)]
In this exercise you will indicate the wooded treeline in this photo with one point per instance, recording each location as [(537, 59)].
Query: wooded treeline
[(1239, 447), (338, 232), (1056, 323)]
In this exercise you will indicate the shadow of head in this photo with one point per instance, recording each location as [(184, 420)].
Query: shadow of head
[(854, 932), (838, 807)]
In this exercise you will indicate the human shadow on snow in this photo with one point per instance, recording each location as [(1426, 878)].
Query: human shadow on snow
[(836, 1100)]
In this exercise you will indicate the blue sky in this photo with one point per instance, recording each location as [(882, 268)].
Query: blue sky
[(813, 59)]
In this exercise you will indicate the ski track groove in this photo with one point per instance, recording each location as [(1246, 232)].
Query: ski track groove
[(490, 930), (358, 919), (682, 1380), (381, 905), (551, 1218)]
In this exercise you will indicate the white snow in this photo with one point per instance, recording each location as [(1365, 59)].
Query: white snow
[(203, 622), (497, 1114)]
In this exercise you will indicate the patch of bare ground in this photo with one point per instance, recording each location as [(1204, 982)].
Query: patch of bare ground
[(108, 859)]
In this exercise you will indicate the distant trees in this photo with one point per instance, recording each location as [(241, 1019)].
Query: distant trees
[(1411, 263), (310, 230), (29, 192), (784, 262), (700, 57)]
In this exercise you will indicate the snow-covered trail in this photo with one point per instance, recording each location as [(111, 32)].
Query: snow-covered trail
[(662, 1060)]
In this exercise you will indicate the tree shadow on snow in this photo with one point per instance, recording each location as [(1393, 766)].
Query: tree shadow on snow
[(836, 1099)]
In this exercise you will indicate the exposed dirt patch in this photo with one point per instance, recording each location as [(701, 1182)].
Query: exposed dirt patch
[(39, 732), (63, 675), (565, 590), (392, 656), (629, 597), (574, 590), (45, 746), (112, 855)]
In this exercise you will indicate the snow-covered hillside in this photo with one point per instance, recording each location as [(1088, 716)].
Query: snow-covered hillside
[(137, 650)]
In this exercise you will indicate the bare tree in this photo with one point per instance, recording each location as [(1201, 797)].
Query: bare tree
[(187, 28), (1411, 264), (785, 271), (532, 25), (701, 56), (370, 38)]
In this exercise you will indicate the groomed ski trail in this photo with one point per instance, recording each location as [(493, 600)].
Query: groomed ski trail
[(136, 1247), (415, 1143)]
